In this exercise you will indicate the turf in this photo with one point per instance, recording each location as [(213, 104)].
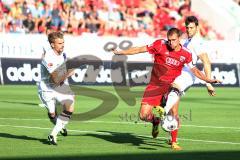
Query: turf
[(210, 126)]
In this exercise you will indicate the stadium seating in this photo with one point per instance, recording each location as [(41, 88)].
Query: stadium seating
[(102, 17)]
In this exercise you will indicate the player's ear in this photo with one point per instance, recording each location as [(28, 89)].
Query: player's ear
[(52, 45)]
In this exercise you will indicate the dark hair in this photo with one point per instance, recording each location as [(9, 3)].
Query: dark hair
[(174, 31), (54, 35), (191, 19)]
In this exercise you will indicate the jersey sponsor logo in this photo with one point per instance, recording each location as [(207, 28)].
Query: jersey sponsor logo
[(182, 58), (50, 64), (171, 61)]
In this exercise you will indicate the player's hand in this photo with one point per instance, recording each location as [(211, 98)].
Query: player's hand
[(210, 89), (214, 81)]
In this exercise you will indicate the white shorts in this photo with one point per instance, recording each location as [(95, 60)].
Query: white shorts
[(62, 94), (185, 80)]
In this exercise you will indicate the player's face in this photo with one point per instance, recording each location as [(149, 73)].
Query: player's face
[(58, 45), (191, 29), (173, 41)]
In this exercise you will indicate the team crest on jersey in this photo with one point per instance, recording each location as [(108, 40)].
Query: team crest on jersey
[(182, 59), (50, 64)]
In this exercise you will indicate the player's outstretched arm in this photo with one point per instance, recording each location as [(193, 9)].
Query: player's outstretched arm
[(201, 76), (207, 69), (130, 51)]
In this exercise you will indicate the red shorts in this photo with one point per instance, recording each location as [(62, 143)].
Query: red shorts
[(153, 93)]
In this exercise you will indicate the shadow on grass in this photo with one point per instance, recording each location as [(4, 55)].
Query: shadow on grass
[(23, 137), (18, 102), (221, 155), (128, 139)]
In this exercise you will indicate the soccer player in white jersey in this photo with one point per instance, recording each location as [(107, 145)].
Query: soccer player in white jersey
[(54, 84), (53, 117), (196, 46)]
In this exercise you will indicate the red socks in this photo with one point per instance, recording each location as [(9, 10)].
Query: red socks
[(174, 135)]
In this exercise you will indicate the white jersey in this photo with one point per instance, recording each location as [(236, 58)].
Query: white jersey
[(52, 62), (45, 47), (48, 92), (196, 47)]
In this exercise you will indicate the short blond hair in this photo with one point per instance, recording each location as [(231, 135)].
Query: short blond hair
[(54, 35)]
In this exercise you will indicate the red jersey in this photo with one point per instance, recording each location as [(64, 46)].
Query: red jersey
[(168, 63)]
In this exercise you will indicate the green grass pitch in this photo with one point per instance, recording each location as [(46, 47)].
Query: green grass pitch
[(210, 127)]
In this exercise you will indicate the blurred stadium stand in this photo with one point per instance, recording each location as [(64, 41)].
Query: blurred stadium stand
[(23, 23), (104, 17)]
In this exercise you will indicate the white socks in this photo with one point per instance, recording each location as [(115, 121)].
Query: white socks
[(58, 127), (172, 99)]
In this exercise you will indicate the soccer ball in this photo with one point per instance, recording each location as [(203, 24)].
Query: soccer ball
[(169, 123)]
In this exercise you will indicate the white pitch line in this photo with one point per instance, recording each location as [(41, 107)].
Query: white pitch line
[(215, 127), (197, 126), (131, 123), (106, 133), (43, 128), (208, 141), (24, 119)]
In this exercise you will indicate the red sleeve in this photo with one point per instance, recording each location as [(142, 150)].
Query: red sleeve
[(189, 61), (189, 58), (155, 47)]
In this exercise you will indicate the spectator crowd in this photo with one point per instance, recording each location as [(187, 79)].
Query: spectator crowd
[(130, 18)]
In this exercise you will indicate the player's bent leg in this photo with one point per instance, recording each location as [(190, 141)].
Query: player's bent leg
[(52, 117), (147, 115), (68, 104), (173, 97), (174, 134), (174, 110), (51, 107), (62, 120), (49, 102), (65, 116)]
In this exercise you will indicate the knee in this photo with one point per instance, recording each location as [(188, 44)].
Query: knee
[(174, 85), (69, 106), (145, 115), (67, 114), (70, 109), (176, 89)]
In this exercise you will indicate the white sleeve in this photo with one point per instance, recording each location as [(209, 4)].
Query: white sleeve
[(190, 65), (199, 47), (48, 62)]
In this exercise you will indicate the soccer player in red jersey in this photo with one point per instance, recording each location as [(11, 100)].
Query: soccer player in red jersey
[(169, 59)]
